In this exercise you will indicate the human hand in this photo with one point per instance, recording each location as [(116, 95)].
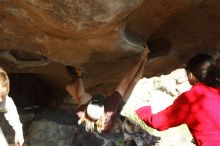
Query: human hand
[(81, 119), (19, 140), (145, 52)]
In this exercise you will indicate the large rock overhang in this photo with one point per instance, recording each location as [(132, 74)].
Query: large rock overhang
[(104, 37)]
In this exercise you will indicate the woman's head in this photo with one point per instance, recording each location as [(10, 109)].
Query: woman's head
[(94, 114), (95, 108), (202, 68), (4, 84)]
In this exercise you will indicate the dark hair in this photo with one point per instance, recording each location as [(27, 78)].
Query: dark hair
[(98, 100), (203, 67)]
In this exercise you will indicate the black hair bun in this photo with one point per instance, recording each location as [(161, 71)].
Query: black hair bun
[(98, 99)]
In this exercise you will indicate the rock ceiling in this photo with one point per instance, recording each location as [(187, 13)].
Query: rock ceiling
[(104, 37)]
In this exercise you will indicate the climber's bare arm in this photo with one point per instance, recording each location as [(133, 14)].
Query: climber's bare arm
[(131, 75), (136, 78)]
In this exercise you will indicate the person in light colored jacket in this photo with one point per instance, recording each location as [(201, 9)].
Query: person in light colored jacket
[(9, 109)]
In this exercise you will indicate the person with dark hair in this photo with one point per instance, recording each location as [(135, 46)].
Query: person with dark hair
[(198, 108), (99, 112)]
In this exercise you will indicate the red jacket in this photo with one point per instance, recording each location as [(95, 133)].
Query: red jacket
[(199, 108)]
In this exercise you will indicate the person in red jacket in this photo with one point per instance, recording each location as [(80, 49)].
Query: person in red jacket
[(198, 108), (99, 112)]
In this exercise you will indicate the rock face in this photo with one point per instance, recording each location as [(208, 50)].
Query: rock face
[(58, 127), (103, 37), (39, 38)]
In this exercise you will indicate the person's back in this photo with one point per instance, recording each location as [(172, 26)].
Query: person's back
[(198, 107), (204, 117)]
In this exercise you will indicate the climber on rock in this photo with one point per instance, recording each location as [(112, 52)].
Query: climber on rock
[(99, 112)]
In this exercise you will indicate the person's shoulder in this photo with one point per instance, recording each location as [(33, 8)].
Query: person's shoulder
[(199, 87), (9, 104), (187, 94), (115, 93), (115, 96), (194, 91), (8, 100)]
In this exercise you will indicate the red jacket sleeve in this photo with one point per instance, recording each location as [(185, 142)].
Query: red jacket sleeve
[(172, 116)]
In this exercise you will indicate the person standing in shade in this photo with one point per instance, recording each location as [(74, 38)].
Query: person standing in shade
[(8, 108)]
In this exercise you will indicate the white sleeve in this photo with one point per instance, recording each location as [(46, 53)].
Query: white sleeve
[(12, 117)]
